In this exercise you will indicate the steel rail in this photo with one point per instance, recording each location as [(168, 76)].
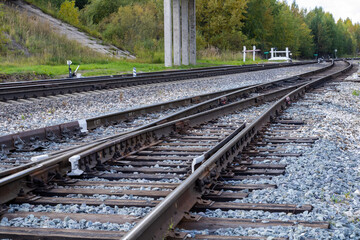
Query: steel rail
[(8, 140), (160, 221), (200, 184), (100, 152), (46, 88), (130, 76), (108, 119), (148, 74), (181, 114), (95, 154), (73, 127)]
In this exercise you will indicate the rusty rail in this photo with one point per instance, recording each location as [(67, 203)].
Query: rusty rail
[(97, 153), (73, 128), (172, 209), (13, 91)]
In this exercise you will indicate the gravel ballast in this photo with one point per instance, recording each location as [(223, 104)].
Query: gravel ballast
[(326, 176), (56, 110)]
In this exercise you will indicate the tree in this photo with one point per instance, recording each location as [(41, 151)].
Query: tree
[(136, 27), (323, 28), (81, 3), (220, 22), (69, 12), (305, 46), (357, 36), (288, 29), (259, 22), (97, 10)]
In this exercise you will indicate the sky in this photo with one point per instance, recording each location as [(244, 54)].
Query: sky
[(338, 8)]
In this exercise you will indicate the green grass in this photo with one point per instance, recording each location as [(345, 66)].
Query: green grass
[(49, 52), (53, 11), (43, 45), (111, 67), (230, 62)]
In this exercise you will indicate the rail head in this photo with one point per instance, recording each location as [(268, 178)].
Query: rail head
[(172, 209), (103, 151), (158, 223)]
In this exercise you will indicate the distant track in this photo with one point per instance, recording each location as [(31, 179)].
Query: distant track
[(163, 152), (43, 88), (28, 140)]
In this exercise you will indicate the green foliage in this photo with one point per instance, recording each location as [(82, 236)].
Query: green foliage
[(99, 67), (336, 199), (3, 39), (42, 44), (54, 3), (220, 23), (356, 93), (81, 3), (222, 26), (323, 28), (259, 22), (348, 196), (345, 41), (48, 6), (291, 31), (276, 24), (97, 10), (69, 13), (137, 28)]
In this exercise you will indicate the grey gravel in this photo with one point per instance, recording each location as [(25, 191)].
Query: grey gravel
[(82, 208), (31, 121), (67, 222), (327, 175), (172, 180), (51, 111), (104, 197), (117, 188), (244, 116)]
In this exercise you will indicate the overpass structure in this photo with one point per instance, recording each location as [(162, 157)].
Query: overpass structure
[(179, 32)]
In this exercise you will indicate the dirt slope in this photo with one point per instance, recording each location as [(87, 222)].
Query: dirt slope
[(71, 32)]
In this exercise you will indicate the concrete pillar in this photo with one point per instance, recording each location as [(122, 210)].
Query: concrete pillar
[(272, 52), (167, 33), (244, 53), (177, 32), (254, 48), (192, 29), (185, 31)]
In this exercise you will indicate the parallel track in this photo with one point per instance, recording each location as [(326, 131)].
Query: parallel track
[(249, 95), (160, 152), (185, 196), (42, 88)]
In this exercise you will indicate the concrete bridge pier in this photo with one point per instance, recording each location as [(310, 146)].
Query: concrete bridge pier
[(177, 32), (192, 29), (167, 33), (180, 32), (185, 31)]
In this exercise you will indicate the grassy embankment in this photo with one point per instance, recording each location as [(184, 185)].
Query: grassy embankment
[(28, 46)]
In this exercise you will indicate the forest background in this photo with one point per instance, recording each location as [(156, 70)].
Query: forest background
[(222, 25), (223, 28)]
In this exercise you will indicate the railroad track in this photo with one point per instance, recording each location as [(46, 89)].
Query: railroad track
[(32, 141), (43, 88), (150, 180)]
